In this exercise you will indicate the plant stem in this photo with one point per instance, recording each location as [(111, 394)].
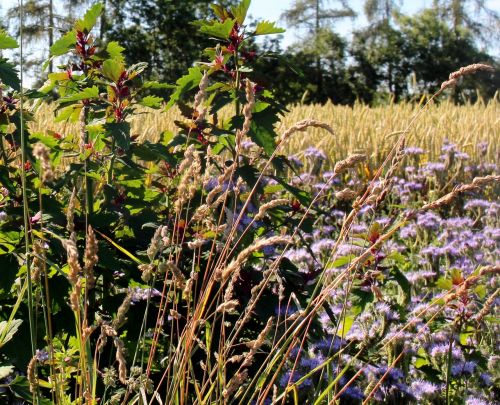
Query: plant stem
[(448, 371), (25, 198)]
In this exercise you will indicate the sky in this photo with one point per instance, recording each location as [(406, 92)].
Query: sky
[(273, 9)]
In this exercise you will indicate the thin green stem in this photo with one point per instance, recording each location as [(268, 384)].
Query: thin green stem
[(448, 371), (25, 195)]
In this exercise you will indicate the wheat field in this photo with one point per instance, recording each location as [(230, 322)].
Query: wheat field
[(371, 130)]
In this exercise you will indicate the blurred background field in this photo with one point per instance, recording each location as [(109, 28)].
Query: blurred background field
[(372, 130)]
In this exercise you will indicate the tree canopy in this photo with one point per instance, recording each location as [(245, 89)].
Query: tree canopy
[(394, 57)]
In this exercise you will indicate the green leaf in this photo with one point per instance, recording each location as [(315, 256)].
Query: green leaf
[(149, 152), (120, 131), (444, 283), (301, 195), (90, 18), (63, 44), (8, 330), (7, 42), (68, 113), (5, 371), (120, 248), (8, 75), (184, 84), (112, 69), (267, 27), (481, 291), (403, 282), (85, 94), (217, 29), (151, 101), (421, 359), (345, 326), (153, 84), (21, 389), (115, 51), (220, 11), (263, 136), (342, 261), (240, 11)]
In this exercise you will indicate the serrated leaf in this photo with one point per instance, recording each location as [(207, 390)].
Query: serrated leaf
[(7, 42), (115, 51), (8, 330), (8, 75), (267, 27), (218, 29), (120, 131), (220, 11), (421, 359), (59, 76), (240, 11), (64, 44), (67, 113), (263, 136), (5, 371), (112, 69), (85, 94), (184, 84), (157, 85), (151, 101), (90, 18)]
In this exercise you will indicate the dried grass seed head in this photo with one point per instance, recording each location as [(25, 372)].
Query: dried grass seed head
[(302, 126), (234, 267), (42, 153), (464, 71), (350, 161)]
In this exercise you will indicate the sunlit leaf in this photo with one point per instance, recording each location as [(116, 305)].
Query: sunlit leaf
[(8, 330), (63, 44), (5, 371), (7, 42), (218, 29), (185, 83), (115, 51), (151, 101), (90, 18), (240, 11), (86, 94), (267, 27), (112, 69)]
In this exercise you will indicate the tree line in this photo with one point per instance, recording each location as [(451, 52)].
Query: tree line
[(395, 57)]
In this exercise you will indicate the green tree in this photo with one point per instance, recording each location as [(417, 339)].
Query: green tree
[(159, 32), (316, 19), (380, 62), (380, 10), (474, 15), (434, 49), (41, 21)]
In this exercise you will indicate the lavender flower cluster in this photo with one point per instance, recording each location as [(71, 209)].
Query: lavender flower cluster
[(387, 323)]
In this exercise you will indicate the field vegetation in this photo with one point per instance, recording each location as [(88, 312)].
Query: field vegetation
[(358, 128), (215, 247)]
